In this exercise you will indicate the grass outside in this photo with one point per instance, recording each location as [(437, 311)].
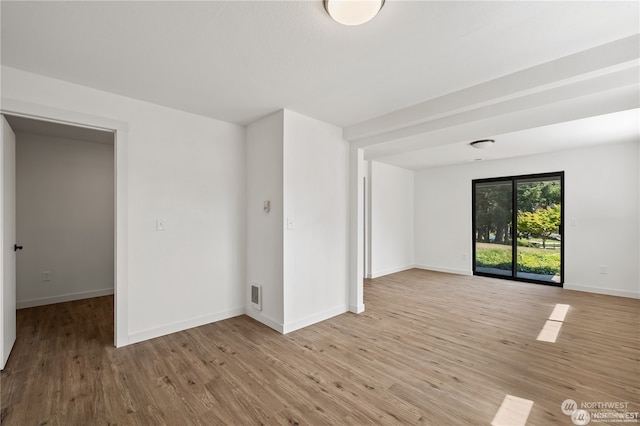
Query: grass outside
[(530, 259), (537, 242)]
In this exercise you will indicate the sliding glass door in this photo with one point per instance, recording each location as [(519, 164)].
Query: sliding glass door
[(517, 228)]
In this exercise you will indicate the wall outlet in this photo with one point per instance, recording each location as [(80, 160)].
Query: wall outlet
[(604, 269), (46, 276), (161, 224)]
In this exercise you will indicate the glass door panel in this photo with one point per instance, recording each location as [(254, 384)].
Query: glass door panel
[(492, 228), (539, 239)]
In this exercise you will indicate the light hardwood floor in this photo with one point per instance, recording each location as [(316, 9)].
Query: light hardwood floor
[(431, 349)]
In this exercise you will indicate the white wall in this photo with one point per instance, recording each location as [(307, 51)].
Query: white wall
[(298, 252), (601, 196), (391, 219), (181, 167), (65, 219), (316, 201), (265, 246), (442, 239)]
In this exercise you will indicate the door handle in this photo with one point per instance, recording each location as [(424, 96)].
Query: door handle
[(16, 247)]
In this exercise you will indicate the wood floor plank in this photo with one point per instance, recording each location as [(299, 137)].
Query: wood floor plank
[(430, 349)]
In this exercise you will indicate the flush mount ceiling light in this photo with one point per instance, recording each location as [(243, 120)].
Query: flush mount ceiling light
[(483, 143), (353, 12)]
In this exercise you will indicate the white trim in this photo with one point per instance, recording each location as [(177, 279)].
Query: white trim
[(356, 309), (42, 301), (599, 290), (56, 115), (446, 270), (262, 318), (377, 274), (121, 128), (152, 333), (313, 319), (121, 256)]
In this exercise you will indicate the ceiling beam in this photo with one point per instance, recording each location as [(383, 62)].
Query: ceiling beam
[(608, 67), (418, 146)]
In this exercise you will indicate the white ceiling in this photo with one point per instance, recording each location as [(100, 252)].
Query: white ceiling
[(421, 75)]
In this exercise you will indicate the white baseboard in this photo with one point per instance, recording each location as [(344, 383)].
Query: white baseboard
[(599, 290), (183, 325), (296, 325), (356, 309), (22, 304), (313, 319), (260, 317), (377, 274), (446, 270)]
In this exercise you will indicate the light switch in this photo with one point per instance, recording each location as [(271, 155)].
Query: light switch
[(267, 206), (289, 223), (161, 224)]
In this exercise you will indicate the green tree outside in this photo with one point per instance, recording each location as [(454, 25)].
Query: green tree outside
[(535, 195), (540, 223)]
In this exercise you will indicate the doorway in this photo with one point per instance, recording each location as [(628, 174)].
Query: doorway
[(118, 132), (518, 228), (64, 212)]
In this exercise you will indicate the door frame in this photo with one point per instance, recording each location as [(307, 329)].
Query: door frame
[(514, 213), (120, 130)]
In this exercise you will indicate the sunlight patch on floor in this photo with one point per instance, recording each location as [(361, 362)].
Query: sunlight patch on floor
[(559, 312), (550, 331), (551, 328), (514, 411)]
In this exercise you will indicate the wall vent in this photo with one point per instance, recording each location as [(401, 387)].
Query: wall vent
[(256, 297)]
